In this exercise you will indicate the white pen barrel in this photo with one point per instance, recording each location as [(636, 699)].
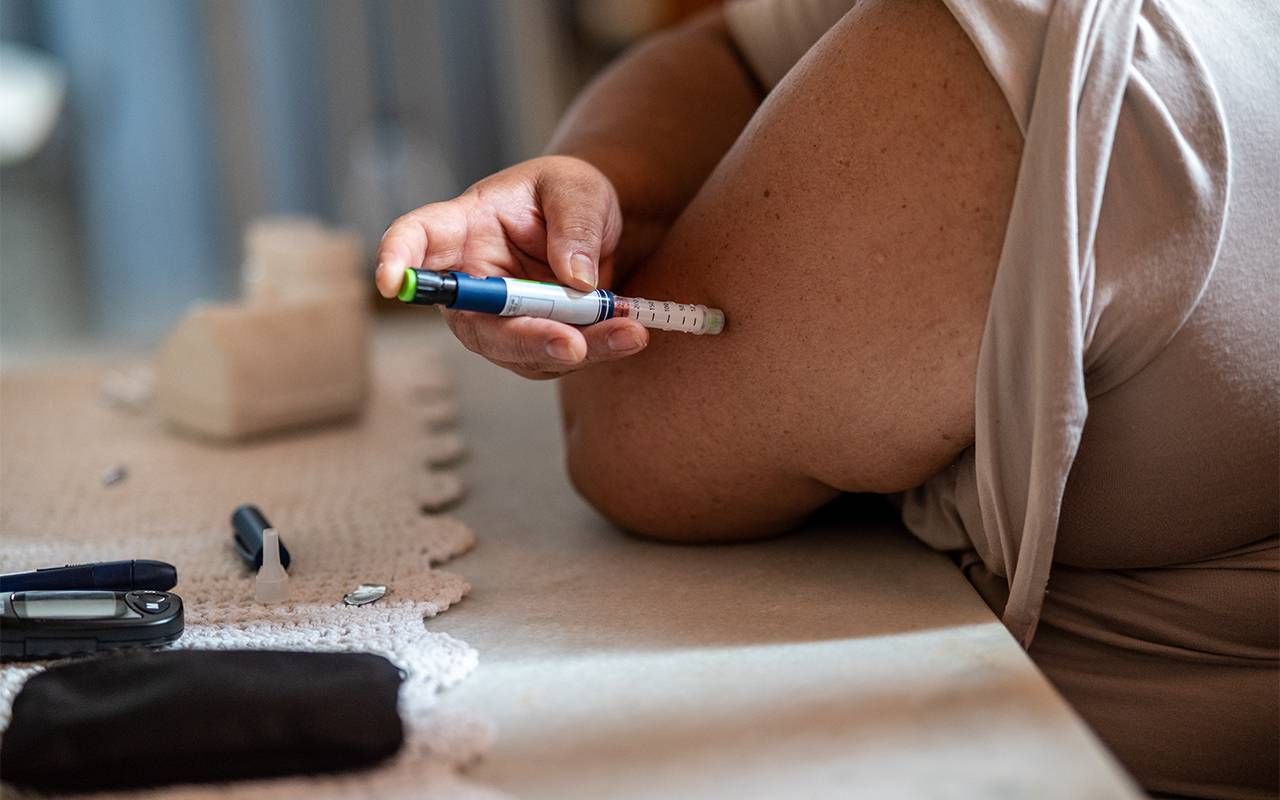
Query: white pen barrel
[(551, 301)]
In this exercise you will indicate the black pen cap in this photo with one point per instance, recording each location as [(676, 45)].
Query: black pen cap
[(155, 575), (247, 524)]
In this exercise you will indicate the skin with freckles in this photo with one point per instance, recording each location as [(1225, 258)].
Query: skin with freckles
[(851, 235), (849, 226)]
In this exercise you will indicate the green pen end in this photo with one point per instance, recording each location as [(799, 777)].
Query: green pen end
[(408, 286)]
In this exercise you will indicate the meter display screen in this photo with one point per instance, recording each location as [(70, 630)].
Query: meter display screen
[(67, 605)]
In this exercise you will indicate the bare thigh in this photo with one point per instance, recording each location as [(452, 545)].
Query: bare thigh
[(851, 235)]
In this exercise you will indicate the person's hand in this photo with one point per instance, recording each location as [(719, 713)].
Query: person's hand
[(554, 218)]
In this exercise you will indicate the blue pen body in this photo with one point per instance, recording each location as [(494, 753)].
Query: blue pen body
[(488, 295)]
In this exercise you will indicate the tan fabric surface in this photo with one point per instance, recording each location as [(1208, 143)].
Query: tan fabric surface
[(345, 499)]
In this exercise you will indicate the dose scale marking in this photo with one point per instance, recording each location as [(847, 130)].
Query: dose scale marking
[(516, 297)]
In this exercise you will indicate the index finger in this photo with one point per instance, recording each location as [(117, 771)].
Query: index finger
[(432, 236)]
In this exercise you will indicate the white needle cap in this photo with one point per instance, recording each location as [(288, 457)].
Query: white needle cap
[(272, 585)]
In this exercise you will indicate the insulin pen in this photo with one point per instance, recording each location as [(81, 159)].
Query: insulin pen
[(514, 297)]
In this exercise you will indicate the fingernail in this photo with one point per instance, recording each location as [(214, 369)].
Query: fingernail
[(560, 350), (622, 341), (583, 268)]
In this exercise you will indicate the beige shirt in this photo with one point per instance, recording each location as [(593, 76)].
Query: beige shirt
[(1126, 294)]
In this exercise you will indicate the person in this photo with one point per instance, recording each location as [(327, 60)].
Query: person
[(975, 256)]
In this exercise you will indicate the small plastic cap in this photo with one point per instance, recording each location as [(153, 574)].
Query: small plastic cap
[(154, 575), (714, 321), (408, 285), (272, 584)]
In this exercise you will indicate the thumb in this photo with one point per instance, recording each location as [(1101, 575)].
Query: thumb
[(582, 219)]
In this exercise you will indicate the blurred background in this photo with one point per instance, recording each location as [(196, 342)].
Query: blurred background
[(138, 137)]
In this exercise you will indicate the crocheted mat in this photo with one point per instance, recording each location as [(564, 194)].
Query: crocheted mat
[(82, 479)]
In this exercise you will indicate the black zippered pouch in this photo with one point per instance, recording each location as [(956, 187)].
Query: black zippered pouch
[(146, 718)]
